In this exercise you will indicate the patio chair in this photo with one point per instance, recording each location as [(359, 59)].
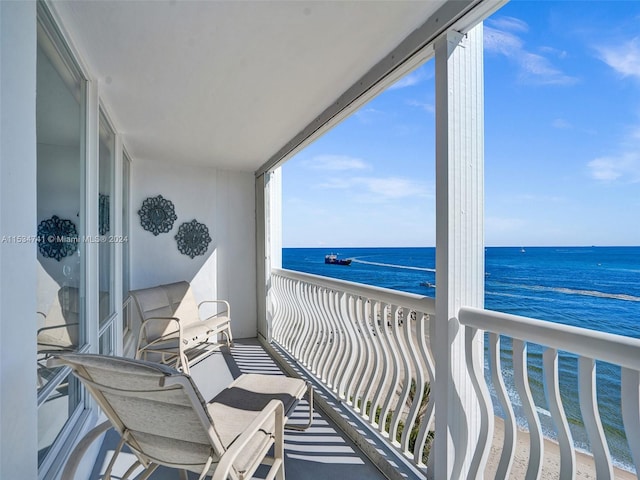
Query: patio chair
[(173, 330), (162, 418)]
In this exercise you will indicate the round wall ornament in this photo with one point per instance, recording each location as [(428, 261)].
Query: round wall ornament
[(157, 215), (193, 238), (57, 238)]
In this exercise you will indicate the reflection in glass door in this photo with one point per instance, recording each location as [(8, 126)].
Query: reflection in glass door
[(60, 119)]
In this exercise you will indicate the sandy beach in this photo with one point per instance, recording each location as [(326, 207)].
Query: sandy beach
[(585, 467)]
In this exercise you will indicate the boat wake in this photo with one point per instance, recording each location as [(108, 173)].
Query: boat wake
[(585, 293), (405, 267)]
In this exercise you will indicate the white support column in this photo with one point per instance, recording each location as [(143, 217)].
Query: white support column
[(269, 242), (274, 217), (18, 410), (459, 244), (261, 255)]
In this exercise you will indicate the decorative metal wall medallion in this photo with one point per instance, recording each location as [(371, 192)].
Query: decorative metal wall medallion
[(157, 215), (193, 238), (103, 214), (57, 237)]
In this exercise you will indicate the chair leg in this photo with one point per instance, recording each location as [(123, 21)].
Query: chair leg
[(227, 333), (289, 426)]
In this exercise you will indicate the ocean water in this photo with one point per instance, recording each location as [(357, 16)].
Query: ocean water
[(590, 287)]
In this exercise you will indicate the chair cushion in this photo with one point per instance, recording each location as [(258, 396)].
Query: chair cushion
[(253, 391)]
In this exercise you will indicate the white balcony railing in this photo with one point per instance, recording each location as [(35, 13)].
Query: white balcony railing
[(368, 345), (583, 346), (371, 347)]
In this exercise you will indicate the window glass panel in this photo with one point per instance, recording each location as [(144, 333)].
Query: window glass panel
[(54, 413), (60, 106)]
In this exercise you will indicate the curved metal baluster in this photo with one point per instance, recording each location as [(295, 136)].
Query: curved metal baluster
[(419, 377), (307, 324), (510, 432), (364, 313), (552, 390), (292, 317), (348, 362), (312, 339), (339, 343), (406, 382), (394, 368), (521, 378), (329, 349), (317, 336), (475, 367), (376, 311), (329, 338), (358, 357), (384, 386), (319, 333), (343, 358), (591, 417), (422, 321), (630, 393)]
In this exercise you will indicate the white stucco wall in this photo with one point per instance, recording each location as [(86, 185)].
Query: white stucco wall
[(225, 202), (18, 413)]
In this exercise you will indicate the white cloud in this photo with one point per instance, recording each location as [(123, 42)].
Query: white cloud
[(367, 115), (533, 67), (411, 79), (392, 187), (377, 189), (509, 23), (427, 106), (336, 163), (620, 167), (623, 58), (624, 165), (562, 54)]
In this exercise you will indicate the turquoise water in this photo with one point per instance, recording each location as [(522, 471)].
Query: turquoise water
[(590, 287)]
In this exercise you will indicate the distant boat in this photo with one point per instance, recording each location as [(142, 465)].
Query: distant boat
[(522, 250), (428, 284), (333, 259)]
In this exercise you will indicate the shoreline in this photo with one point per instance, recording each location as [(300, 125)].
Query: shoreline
[(585, 465)]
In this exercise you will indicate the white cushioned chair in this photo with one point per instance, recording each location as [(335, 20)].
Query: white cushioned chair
[(162, 418), (172, 325)]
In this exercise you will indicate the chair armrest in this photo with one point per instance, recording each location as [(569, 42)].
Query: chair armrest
[(273, 408), (142, 337), (53, 327), (228, 310)]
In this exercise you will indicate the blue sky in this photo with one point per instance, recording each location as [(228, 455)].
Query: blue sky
[(562, 142)]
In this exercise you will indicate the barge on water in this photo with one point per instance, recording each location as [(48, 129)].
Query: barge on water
[(333, 259)]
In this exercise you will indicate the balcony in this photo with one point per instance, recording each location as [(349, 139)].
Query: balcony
[(368, 352)]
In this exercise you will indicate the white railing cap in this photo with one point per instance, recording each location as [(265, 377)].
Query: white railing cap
[(616, 349), (394, 297)]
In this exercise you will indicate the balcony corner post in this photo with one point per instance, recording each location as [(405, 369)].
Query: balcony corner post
[(459, 419)]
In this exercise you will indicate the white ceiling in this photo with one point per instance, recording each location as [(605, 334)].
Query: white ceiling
[(228, 84)]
